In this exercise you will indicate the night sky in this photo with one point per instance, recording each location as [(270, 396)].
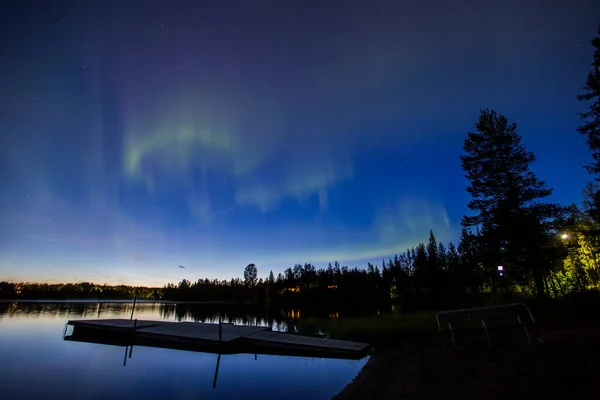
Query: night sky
[(138, 136)]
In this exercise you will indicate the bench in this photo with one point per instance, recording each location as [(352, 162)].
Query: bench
[(516, 314)]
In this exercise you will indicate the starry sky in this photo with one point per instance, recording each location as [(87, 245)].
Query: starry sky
[(138, 136)]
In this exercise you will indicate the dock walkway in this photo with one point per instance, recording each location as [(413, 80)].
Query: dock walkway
[(115, 325), (270, 338), (198, 331), (223, 338)]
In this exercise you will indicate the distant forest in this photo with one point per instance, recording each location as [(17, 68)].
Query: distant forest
[(514, 244), (429, 276)]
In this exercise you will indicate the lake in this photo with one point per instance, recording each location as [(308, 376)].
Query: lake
[(38, 363)]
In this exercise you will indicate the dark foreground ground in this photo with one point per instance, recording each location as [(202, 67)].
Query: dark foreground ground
[(566, 365)]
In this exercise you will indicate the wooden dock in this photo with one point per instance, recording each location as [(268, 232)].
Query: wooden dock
[(206, 337), (269, 338), (113, 325), (195, 331)]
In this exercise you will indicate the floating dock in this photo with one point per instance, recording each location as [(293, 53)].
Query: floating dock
[(212, 338)]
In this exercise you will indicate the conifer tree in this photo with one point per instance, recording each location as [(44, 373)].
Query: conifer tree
[(506, 197), (591, 120)]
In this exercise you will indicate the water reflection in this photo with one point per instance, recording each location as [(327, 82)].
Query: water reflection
[(129, 349), (278, 320), (30, 340), (292, 314), (64, 309)]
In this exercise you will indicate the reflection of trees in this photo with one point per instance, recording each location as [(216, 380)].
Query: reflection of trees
[(4, 308), (238, 314), (301, 321), (75, 310), (230, 313)]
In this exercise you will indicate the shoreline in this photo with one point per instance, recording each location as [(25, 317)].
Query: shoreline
[(511, 369), (124, 301), (390, 373)]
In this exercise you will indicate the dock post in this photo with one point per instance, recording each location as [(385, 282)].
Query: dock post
[(217, 371), (132, 337), (134, 300), (220, 328)]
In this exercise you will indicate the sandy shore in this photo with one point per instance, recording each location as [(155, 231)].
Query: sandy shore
[(390, 373), (564, 366)]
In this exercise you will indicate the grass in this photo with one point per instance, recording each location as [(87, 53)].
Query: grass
[(390, 329), (381, 329)]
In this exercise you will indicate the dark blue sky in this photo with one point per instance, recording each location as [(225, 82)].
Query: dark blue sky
[(140, 135)]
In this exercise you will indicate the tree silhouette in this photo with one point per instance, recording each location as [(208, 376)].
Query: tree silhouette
[(468, 269), (250, 275), (591, 118), (497, 167), (505, 194), (271, 277)]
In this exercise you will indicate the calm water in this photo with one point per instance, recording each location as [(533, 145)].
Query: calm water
[(37, 364)]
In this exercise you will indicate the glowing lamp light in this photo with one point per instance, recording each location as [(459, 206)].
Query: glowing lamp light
[(500, 270), (564, 236)]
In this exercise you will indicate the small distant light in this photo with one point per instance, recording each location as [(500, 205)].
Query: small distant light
[(500, 268), (564, 236)]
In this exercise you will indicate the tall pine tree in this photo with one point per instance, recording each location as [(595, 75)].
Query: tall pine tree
[(271, 277), (496, 164), (468, 272), (505, 196), (591, 120)]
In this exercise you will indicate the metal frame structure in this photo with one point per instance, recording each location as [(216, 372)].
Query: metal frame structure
[(445, 319)]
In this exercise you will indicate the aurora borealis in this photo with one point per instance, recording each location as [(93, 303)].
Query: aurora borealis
[(140, 136)]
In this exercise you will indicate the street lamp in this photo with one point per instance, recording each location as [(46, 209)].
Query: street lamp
[(564, 236), (500, 270)]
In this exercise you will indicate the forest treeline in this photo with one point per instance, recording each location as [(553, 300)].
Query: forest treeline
[(514, 243), (431, 275), (80, 290)]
